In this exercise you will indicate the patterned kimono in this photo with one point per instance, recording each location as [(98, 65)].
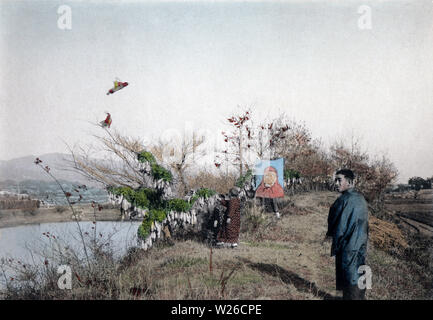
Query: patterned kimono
[(348, 226), (229, 232)]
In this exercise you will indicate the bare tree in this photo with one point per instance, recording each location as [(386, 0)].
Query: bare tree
[(372, 175), (182, 156), (238, 140), (115, 162)]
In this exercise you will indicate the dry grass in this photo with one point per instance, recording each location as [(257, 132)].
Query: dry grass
[(276, 259), (7, 204), (204, 179), (386, 235), (397, 279)]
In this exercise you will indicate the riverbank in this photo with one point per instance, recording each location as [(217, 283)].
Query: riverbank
[(18, 217), (284, 259)]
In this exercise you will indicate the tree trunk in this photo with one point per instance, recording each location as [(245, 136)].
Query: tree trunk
[(240, 151)]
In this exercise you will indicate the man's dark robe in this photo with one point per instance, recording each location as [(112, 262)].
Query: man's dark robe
[(348, 227)]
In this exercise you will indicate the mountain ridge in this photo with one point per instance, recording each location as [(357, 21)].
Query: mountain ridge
[(24, 168)]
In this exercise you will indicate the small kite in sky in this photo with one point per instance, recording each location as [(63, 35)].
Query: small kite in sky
[(117, 86), (107, 121)]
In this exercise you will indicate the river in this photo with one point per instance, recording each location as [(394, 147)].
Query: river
[(34, 243)]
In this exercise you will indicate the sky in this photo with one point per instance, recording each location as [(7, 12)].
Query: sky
[(190, 65)]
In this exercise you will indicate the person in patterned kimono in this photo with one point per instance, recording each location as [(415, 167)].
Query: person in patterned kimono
[(228, 234)]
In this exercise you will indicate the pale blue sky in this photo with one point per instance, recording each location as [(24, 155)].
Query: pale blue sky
[(192, 63)]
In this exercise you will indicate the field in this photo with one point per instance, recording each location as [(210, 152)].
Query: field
[(414, 208), (283, 259)]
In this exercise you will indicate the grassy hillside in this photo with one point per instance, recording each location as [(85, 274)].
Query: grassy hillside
[(276, 259)]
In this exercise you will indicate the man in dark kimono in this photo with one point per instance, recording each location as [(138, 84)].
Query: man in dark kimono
[(348, 227)]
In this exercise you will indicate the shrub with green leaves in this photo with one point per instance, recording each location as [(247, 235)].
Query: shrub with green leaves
[(158, 215), (146, 156), (148, 198), (179, 205), (152, 196), (128, 193), (114, 190), (290, 174), (201, 193), (140, 199), (144, 228), (158, 172), (240, 183), (154, 215), (205, 193), (160, 209)]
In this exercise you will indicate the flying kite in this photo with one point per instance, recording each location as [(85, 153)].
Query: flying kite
[(117, 86), (107, 121)]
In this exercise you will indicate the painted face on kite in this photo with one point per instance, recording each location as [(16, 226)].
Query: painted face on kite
[(269, 186), (269, 178)]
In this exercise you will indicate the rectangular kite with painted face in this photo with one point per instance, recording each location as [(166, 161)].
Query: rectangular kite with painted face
[(269, 178)]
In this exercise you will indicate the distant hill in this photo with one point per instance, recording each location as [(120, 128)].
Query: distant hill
[(22, 175), (50, 191), (24, 168)]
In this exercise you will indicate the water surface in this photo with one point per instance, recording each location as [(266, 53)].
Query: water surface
[(32, 242)]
